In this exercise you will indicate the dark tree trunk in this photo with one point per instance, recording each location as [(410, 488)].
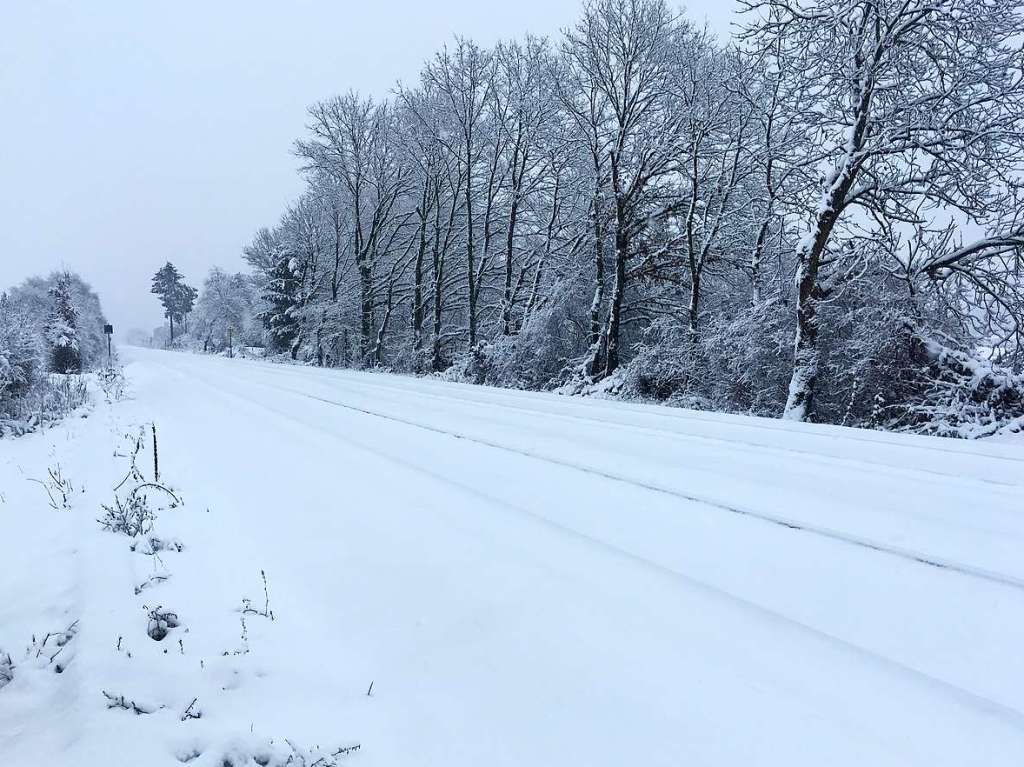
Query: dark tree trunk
[(611, 357)]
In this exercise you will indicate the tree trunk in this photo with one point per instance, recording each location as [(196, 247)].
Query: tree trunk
[(365, 311), (470, 255), (436, 363), (693, 310), (378, 351), (506, 301), (611, 357), (756, 259), (800, 402), (417, 294), (595, 305)]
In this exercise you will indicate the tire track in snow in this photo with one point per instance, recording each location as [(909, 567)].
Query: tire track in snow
[(787, 522), (684, 415), (962, 696), (917, 473)]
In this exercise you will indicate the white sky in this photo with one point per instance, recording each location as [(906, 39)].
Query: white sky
[(133, 133)]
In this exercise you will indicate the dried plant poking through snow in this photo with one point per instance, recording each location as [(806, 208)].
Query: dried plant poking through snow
[(134, 516), (131, 517), (266, 612), (58, 488), (6, 669), (113, 383), (49, 651)]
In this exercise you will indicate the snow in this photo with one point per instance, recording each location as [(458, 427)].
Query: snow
[(524, 578)]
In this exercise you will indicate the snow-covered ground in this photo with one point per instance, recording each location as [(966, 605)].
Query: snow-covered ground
[(525, 580)]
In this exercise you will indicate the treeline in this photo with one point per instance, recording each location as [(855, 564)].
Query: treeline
[(48, 325), (821, 219)]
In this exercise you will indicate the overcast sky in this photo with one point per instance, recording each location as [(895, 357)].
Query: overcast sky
[(135, 133)]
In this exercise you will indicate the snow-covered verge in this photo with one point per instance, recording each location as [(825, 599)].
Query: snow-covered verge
[(53, 398), (461, 575), (127, 635)]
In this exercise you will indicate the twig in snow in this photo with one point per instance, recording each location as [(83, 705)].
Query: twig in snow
[(266, 612), (191, 712), (150, 582), (119, 701), (156, 459)]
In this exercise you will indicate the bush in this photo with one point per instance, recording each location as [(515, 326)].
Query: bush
[(737, 364), (958, 395), (535, 358), (20, 355)]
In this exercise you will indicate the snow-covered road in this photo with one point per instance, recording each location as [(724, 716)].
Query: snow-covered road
[(532, 579)]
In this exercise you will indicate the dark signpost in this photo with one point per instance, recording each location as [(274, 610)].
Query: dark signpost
[(109, 330)]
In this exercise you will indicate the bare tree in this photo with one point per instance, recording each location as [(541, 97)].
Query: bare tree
[(913, 101), (463, 78), (353, 141), (621, 53)]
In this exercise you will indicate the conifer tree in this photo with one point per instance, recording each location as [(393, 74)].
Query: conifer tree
[(176, 297), (282, 297), (62, 328)]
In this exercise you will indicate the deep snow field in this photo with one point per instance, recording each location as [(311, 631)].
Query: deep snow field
[(525, 579)]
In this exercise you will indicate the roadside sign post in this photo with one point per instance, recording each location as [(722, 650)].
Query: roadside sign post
[(109, 331), (231, 349)]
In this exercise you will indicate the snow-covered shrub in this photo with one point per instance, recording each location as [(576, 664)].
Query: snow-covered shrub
[(958, 395), (134, 516), (113, 383), (20, 353), (664, 366), (865, 354), (534, 358), (131, 517), (65, 393), (473, 366), (737, 363), (746, 358)]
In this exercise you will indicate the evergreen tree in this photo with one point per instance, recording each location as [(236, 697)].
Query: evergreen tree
[(186, 301), (62, 329), (282, 297), (176, 297)]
